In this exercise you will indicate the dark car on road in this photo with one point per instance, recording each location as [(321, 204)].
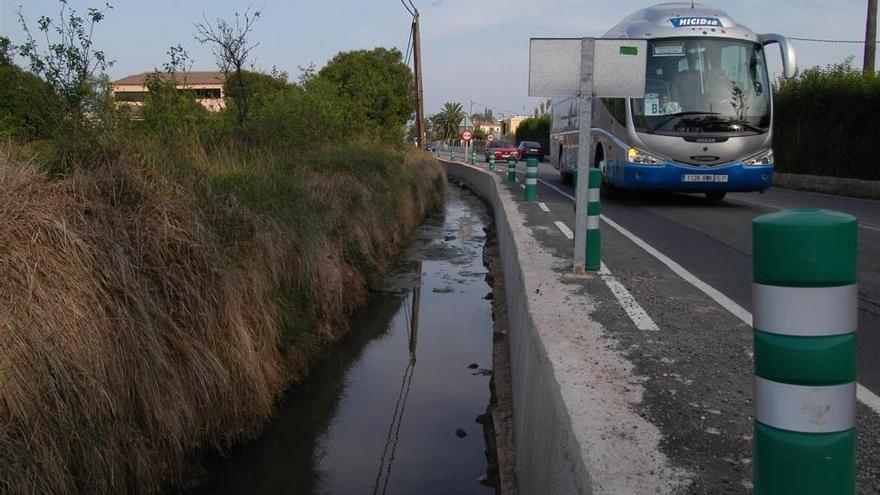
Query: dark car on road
[(530, 149), (502, 150)]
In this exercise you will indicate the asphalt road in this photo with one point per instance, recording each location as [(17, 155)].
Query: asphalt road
[(696, 363), (713, 240)]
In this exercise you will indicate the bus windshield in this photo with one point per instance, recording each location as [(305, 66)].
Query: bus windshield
[(699, 85)]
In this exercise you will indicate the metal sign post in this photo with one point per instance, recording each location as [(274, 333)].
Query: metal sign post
[(585, 123), (586, 68)]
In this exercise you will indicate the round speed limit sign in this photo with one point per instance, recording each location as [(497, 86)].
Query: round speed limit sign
[(490, 137), (467, 135)]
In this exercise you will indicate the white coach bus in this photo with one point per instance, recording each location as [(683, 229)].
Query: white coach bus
[(705, 122)]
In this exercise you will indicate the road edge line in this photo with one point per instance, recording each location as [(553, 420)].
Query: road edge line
[(864, 395)]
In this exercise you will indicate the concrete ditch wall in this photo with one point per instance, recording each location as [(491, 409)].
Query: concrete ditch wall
[(573, 396)]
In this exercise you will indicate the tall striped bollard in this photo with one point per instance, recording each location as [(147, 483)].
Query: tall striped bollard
[(805, 304), (511, 169), (451, 154), (531, 180), (473, 157), (594, 209), (492, 162)]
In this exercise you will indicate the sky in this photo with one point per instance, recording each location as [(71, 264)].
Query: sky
[(473, 51)]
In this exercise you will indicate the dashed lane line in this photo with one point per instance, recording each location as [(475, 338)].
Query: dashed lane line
[(629, 304), (635, 311), (867, 397), (565, 230), (726, 302), (544, 207)]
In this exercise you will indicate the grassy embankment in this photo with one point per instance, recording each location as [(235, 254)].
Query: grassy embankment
[(163, 281), (151, 310)]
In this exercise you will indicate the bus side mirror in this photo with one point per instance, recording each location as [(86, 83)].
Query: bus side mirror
[(789, 59)]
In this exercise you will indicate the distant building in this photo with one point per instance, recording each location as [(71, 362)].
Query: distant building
[(491, 126), (509, 124), (208, 87)]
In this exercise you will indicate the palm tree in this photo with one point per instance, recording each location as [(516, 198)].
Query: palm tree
[(448, 121)]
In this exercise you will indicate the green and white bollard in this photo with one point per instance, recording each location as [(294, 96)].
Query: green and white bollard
[(531, 180), (511, 169), (473, 157), (451, 155), (594, 209), (492, 163), (805, 303)]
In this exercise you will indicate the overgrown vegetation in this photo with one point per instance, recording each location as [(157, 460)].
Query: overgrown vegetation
[(826, 122), (164, 279)]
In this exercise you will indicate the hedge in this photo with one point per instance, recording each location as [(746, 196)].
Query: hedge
[(826, 123)]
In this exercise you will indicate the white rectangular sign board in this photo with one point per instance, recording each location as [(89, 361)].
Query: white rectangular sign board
[(619, 67), (554, 67)]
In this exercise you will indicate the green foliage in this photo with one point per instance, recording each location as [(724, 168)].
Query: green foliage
[(826, 122), (69, 62), (5, 52), (448, 121), (28, 107), (377, 86), (535, 129), (168, 111)]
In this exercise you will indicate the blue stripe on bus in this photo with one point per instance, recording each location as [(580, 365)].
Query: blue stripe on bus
[(670, 176)]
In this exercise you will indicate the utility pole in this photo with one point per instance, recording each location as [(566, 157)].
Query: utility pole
[(417, 69), (870, 38)]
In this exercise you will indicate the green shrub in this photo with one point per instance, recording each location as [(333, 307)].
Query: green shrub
[(28, 107), (826, 122), (535, 129)]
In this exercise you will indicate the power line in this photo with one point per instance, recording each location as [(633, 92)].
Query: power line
[(408, 47), (411, 11), (818, 40), (494, 108)]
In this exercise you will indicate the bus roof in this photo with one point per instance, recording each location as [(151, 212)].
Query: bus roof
[(677, 19)]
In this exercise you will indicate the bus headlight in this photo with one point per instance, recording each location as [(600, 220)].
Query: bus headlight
[(762, 158), (642, 158)]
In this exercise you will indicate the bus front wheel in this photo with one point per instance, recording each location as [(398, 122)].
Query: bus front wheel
[(715, 196)]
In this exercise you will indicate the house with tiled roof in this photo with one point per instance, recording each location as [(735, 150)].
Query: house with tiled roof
[(208, 87)]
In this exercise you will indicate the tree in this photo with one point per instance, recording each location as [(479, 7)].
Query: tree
[(68, 63), (448, 121), (5, 52), (28, 106), (232, 49), (169, 111), (378, 85), (535, 129), (486, 116)]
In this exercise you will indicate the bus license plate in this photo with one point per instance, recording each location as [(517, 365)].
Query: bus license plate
[(704, 178)]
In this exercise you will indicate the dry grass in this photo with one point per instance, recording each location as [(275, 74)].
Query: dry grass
[(152, 310)]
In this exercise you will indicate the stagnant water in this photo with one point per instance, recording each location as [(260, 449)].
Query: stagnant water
[(393, 407)]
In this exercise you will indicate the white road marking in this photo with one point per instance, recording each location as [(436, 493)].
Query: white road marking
[(560, 191), (565, 230), (768, 206), (635, 311), (867, 397), (544, 207), (682, 272), (522, 186)]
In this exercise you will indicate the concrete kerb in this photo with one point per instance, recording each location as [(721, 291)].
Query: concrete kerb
[(857, 188), (574, 397)]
